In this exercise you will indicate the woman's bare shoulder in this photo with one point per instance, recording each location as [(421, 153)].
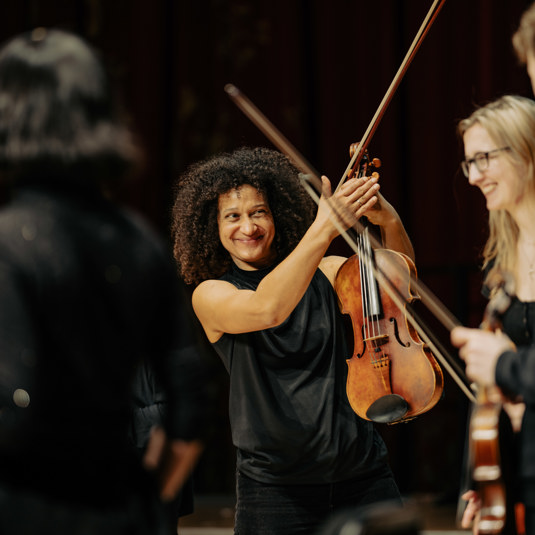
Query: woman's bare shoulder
[(330, 265)]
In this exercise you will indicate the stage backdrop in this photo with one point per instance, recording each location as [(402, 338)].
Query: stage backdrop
[(318, 70)]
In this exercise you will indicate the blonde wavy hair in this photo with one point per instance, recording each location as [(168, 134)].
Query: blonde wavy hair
[(510, 122)]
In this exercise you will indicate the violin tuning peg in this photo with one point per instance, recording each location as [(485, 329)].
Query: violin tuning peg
[(376, 162)]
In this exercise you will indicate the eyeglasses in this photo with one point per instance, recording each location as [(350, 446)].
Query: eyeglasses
[(481, 160)]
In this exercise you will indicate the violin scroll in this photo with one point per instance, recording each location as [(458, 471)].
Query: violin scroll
[(362, 166), (502, 288)]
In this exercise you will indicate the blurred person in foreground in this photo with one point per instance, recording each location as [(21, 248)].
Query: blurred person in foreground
[(87, 290)]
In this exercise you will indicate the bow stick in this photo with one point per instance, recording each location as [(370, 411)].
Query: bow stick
[(312, 177), (420, 36)]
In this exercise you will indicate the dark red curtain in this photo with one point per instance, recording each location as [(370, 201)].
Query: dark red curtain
[(319, 70)]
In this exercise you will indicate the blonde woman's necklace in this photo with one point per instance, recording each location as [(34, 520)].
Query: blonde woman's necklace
[(531, 257)]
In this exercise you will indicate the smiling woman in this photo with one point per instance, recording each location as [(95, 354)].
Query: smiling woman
[(246, 227), (246, 235), (499, 143), (505, 129), (499, 178)]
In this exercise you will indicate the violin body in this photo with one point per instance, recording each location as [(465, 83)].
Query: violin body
[(485, 460), (490, 433), (392, 377), (491, 466)]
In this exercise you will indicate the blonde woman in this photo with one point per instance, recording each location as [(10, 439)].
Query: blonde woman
[(499, 147)]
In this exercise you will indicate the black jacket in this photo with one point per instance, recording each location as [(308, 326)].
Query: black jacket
[(87, 291)]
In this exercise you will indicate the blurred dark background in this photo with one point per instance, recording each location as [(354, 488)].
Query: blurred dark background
[(318, 70)]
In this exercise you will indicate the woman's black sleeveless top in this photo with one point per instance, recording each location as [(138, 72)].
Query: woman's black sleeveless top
[(290, 418)]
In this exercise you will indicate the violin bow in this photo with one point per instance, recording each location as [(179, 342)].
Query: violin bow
[(429, 19), (312, 183)]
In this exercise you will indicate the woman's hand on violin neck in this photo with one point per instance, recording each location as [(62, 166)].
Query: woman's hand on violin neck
[(383, 214), (360, 195), (345, 206), (394, 235)]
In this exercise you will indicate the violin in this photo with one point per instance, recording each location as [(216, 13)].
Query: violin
[(486, 429), (392, 377), (401, 404), (485, 462)]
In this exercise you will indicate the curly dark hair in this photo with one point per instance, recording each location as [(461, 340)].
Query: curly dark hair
[(197, 247)]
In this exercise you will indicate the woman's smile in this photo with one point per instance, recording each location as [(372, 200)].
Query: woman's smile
[(500, 180), (246, 227)]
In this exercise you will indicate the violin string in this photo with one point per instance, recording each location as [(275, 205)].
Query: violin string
[(367, 283), (369, 317), (364, 296), (366, 290), (366, 259)]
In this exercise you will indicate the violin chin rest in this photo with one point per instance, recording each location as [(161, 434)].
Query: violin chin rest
[(387, 409)]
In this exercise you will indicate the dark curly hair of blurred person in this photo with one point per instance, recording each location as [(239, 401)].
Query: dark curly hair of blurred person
[(58, 117), (197, 247)]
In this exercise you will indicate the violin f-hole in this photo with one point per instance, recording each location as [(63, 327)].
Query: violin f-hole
[(394, 322)]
